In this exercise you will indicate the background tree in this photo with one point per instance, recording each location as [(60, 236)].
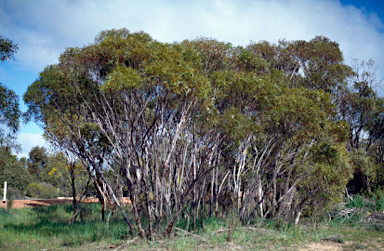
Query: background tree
[(360, 106), (10, 169), (13, 171), (37, 161), (9, 101), (7, 48), (9, 116)]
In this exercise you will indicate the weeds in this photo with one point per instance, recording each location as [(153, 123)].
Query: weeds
[(9, 204), (232, 224)]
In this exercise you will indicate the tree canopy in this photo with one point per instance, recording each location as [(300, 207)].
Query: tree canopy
[(9, 102), (7, 48)]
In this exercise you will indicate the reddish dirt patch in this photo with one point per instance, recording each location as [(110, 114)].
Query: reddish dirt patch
[(17, 204)]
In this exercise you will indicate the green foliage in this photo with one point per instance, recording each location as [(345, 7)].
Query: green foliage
[(326, 183), (370, 203), (58, 173), (378, 195), (42, 191), (9, 102), (9, 109), (37, 160), (7, 48), (317, 64), (13, 171), (364, 163), (358, 202)]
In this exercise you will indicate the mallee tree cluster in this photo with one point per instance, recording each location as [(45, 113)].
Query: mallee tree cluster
[(202, 128)]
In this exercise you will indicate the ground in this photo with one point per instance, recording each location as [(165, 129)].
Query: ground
[(314, 246), (18, 204), (335, 239), (348, 245)]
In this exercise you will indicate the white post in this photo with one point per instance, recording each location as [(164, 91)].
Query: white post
[(5, 191)]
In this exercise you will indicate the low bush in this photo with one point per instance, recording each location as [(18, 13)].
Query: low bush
[(14, 194), (42, 190), (357, 202), (378, 197)]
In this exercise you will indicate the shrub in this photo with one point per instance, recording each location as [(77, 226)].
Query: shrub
[(42, 190), (357, 202), (378, 197), (14, 194)]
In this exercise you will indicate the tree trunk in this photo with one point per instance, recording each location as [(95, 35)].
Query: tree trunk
[(74, 201)]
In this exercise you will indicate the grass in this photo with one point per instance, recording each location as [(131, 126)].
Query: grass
[(43, 227), (48, 228)]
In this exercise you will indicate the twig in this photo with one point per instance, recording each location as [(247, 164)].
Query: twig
[(130, 241), (220, 231), (258, 229), (252, 228), (262, 231), (107, 223), (195, 235), (71, 220)]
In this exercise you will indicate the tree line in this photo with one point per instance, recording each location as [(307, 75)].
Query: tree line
[(203, 128)]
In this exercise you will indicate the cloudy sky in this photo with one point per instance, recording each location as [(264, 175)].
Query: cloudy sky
[(44, 28)]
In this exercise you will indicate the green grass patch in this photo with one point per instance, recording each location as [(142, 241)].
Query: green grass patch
[(48, 228)]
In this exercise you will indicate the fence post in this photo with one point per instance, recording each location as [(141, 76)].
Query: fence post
[(5, 191)]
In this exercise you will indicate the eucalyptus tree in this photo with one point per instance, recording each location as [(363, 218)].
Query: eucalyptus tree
[(55, 104), (276, 113), (140, 96), (318, 65), (277, 131), (361, 107), (177, 122)]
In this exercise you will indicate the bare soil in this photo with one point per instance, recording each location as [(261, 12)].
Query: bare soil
[(18, 204), (348, 245)]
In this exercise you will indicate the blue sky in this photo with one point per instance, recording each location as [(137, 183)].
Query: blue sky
[(44, 28)]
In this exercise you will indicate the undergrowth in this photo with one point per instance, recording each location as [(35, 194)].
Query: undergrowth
[(357, 220)]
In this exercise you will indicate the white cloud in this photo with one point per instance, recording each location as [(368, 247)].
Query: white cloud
[(45, 28), (28, 141)]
